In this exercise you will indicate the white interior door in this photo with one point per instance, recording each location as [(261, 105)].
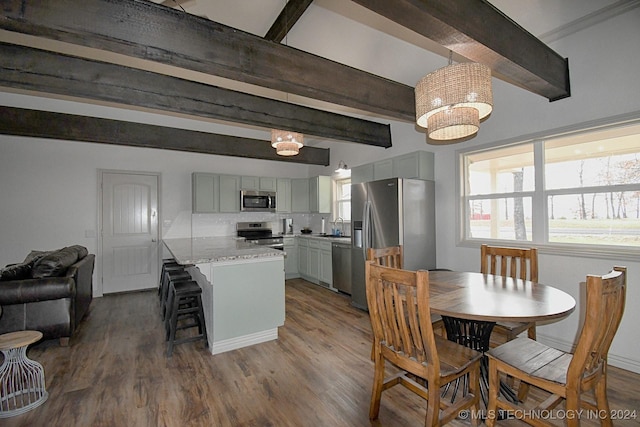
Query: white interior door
[(129, 232)]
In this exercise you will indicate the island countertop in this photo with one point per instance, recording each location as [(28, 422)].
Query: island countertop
[(197, 250)]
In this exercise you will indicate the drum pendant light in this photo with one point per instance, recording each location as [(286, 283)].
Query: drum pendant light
[(451, 101), (285, 142)]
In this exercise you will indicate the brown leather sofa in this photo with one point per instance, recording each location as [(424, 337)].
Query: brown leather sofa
[(48, 292)]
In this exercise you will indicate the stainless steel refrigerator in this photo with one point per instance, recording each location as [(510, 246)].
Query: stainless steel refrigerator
[(391, 212)]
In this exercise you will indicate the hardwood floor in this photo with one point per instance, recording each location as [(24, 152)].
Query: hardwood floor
[(318, 373)]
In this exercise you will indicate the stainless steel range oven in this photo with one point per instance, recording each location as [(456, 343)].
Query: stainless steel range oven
[(260, 233)]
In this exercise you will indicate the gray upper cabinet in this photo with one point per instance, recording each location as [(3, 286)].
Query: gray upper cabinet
[(230, 193), (283, 195), (268, 184), (258, 183), (205, 192), (416, 165), (300, 195), (383, 169), (250, 183), (213, 193), (320, 194), (372, 171), (419, 165), (362, 173)]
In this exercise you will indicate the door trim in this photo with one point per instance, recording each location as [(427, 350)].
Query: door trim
[(98, 286)]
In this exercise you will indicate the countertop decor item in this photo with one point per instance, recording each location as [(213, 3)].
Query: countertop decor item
[(306, 230)]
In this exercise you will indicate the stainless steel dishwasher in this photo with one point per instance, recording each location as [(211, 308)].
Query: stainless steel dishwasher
[(341, 265)]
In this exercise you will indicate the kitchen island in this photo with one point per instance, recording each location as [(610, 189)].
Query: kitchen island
[(242, 288)]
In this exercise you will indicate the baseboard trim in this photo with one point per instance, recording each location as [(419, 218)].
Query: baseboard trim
[(613, 360), (244, 341)]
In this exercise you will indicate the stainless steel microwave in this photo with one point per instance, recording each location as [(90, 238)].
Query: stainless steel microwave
[(257, 201)]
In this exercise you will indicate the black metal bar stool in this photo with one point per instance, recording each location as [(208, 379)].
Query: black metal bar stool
[(188, 300), (168, 264), (169, 276), (184, 312)]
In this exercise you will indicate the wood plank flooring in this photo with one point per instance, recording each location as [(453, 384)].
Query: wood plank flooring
[(318, 373)]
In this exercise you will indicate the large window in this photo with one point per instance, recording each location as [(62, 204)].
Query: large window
[(343, 199), (575, 189)]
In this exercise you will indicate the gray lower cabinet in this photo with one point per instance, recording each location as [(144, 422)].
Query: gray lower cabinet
[(326, 270), (303, 258), (291, 258), (315, 261)]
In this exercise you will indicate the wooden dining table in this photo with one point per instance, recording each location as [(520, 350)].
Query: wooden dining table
[(489, 298), (471, 303)]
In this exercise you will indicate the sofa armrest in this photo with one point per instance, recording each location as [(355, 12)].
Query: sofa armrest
[(34, 290)]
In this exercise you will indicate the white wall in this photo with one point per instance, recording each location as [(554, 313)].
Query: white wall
[(48, 194), (49, 187), (603, 68), (603, 64)]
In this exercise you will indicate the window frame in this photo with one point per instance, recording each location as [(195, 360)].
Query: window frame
[(336, 201), (539, 214)]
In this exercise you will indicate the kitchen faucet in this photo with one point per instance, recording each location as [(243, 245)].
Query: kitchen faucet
[(341, 225)]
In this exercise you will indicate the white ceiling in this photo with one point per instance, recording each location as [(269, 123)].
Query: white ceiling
[(348, 33)]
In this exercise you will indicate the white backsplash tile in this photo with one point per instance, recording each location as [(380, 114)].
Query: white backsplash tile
[(188, 224)]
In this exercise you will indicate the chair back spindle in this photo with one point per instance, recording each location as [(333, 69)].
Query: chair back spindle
[(516, 263), (389, 257), (401, 324)]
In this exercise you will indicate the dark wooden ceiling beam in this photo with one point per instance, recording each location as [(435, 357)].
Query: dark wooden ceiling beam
[(146, 30), (46, 124), (478, 31), (288, 17), (43, 71)]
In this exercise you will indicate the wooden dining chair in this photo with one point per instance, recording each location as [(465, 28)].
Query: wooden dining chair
[(516, 263), (398, 302), (566, 376), (391, 256)]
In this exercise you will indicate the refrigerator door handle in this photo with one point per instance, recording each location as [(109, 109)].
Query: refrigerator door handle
[(366, 224)]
